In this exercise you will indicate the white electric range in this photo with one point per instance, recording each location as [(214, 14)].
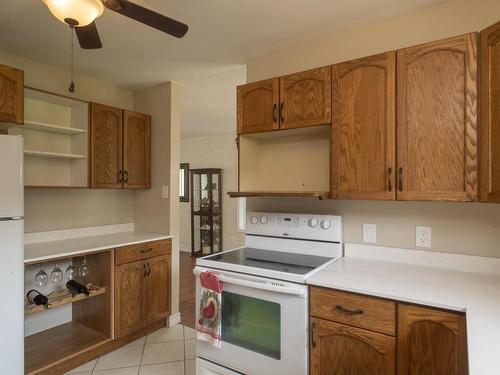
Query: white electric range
[(265, 300)]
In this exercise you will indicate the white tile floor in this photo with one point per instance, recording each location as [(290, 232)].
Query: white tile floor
[(168, 351)]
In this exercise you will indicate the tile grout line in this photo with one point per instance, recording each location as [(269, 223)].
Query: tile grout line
[(142, 354)]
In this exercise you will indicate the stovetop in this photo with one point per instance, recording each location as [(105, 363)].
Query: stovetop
[(299, 264)]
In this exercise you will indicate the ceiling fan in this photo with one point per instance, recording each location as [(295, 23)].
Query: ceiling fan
[(81, 15)]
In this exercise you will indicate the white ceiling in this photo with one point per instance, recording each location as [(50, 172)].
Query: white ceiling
[(208, 61)]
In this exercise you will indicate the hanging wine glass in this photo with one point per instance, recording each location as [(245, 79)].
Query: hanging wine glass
[(41, 278), (84, 268), (71, 271), (56, 276)]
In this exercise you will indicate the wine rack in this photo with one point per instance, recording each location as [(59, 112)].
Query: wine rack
[(63, 297)]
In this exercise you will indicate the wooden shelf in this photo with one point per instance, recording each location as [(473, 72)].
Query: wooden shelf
[(50, 128), (207, 213), (45, 348), (52, 155), (304, 194), (62, 298)]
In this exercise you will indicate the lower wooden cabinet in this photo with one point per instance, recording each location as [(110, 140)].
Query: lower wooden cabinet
[(344, 350), (142, 293), (431, 342), (427, 341)]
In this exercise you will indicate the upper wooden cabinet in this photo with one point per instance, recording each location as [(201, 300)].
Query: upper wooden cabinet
[(305, 98), (120, 148), (437, 121), (431, 342), (257, 106), (342, 349), (136, 150), (363, 128), (490, 114), (106, 131), (293, 101), (11, 95)]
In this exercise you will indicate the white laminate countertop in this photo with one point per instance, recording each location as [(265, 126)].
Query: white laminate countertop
[(52, 245), (475, 293)]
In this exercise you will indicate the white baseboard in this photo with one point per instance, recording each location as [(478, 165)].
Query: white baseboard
[(174, 319)]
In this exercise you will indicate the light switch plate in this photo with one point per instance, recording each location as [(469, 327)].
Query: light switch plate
[(423, 236), (164, 192), (369, 233)]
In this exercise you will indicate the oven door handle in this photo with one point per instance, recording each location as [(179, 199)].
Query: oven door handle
[(261, 284)]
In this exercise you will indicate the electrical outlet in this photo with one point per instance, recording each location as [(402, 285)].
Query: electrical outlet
[(369, 233), (423, 236), (164, 192)]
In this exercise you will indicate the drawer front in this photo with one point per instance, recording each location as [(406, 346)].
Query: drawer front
[(132, 253), (359, 311)]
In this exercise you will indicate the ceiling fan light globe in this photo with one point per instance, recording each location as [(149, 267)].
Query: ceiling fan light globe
[(82, 11)]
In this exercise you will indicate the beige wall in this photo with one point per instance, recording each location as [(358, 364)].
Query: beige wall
[(213, 152), (152, 212), (60, 209), (468, 228)]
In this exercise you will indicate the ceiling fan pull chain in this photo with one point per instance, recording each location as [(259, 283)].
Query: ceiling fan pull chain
[(71, 87)]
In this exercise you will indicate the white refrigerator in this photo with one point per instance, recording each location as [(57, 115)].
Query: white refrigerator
[(11, 255)]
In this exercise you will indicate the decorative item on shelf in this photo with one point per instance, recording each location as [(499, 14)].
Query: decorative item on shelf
[(76, 288), (206, 211), (38, 299)]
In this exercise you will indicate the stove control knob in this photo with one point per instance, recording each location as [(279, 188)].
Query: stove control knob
[(326, 224), (313, 222), (264, 220), (254, 220)]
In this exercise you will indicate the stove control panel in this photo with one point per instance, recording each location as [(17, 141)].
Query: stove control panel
[(301, 226)]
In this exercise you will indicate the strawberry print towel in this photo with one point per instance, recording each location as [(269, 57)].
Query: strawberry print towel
[(208, 326)]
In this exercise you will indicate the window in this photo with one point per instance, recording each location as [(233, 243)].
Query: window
[(184, 182)]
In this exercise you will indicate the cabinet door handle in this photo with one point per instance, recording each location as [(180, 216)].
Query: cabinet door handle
[(126, 176), (148, 250), (120, 176), (149, 269), (282, 117), (389, 179), (313, 341), (145, 273), (275, 114), (400, 178), (343, 310)]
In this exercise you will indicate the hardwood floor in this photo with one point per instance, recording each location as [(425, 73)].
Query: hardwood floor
[(187, 289)]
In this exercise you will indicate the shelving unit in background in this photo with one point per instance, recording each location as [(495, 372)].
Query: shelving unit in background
[(55, 133)]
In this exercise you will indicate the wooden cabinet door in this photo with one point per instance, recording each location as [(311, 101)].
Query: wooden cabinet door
[(306, 98), (11, 95), (490, 114), (106, 128), (437, 120), (136, 150), (157, 289), (363, 128), (129, 297), (338, 349), (257, 106), (431, 342)]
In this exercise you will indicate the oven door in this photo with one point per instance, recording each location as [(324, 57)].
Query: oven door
[(264, 325)]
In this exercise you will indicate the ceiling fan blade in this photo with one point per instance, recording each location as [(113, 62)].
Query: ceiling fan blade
[(88, 36), (148, 17)]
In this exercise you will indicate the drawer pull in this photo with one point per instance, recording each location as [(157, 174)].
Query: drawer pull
[(149, 249), (343, 310)]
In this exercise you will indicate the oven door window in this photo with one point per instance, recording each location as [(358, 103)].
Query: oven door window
[(252, 323)]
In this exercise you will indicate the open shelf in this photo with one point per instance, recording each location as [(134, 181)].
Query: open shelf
[(45, 348), (304, 194), (50, 128), (52, 155), (62, 298)]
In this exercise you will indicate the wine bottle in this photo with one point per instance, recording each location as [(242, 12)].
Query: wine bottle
[(77, 288), (37, 298)]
